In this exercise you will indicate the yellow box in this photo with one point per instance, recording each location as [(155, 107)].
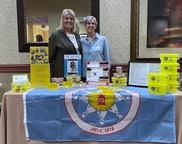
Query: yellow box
[(169, 58), (53, 86), (68, 84), (20, 87), (157, 77), (159, 89), (119, 82), (173, 76), (169, 67), (173, 86)]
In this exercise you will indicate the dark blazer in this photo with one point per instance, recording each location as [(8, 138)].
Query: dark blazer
[(59, 44)]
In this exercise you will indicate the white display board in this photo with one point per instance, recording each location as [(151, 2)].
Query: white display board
[(137, 72)]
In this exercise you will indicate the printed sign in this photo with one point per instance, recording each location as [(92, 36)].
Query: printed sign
[(72, 65)]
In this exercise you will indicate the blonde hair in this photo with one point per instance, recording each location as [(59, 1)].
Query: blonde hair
[(64, 13)]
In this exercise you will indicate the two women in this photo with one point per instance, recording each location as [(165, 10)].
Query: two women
[(65, 40)]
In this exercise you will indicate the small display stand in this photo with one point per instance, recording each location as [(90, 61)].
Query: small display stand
[(97, 73), (20, 83), (72, 65)]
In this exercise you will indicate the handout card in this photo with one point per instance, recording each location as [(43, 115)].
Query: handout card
[(20, 78)]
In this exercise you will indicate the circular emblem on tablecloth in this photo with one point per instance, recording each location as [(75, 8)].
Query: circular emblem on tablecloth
[(102, 105)]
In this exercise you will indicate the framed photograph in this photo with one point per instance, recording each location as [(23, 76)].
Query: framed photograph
[(138, 72), (156, 27)]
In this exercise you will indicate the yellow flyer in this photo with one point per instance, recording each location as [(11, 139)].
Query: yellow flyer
[(39, 67)]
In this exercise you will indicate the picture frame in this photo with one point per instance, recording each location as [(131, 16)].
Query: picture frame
[(72, 65), (138, 72), (139, 34)]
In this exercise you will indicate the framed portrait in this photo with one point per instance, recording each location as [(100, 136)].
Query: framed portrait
[(156, 28)]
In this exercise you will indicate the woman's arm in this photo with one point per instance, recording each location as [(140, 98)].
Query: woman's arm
[(52, 48)]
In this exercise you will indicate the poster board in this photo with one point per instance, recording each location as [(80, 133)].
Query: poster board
[(39, 67), (137, 72)]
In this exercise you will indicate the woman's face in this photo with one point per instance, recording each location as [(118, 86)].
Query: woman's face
[(90, 26), (68, 21)]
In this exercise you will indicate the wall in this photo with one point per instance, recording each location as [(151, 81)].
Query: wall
[(114, 24)]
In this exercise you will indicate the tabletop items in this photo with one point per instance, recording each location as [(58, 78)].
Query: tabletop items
[(167, 79), (20, 83), (119, 79), (68, 82), (98, 73)]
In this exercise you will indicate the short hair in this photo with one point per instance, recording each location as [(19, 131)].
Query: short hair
[(65, 12), (88, 18)]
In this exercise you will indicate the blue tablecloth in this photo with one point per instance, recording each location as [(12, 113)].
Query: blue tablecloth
[(130, 114)]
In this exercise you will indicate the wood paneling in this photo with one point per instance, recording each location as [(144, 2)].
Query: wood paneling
[(14, 68), (22, 68), (25, 68)]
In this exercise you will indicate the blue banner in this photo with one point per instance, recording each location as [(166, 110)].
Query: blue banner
[(128, 115)]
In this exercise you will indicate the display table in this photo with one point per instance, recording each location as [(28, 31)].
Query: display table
[(12, 126)]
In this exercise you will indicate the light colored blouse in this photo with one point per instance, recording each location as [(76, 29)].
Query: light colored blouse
[(97, 50), (73, 40)]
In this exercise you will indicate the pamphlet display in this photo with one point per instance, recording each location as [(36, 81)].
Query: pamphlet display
[(97, 73), (39, 67), (20, 83), (72, 65)]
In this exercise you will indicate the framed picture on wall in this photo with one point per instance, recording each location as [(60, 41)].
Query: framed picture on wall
[(156, 27)]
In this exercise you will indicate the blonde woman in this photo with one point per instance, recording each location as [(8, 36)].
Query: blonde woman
[(65, 40)]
